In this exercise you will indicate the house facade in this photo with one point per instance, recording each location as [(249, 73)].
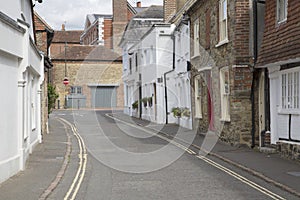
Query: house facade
[(97, 30), (94, 74), (21, 76), (139, 44), (279, 67), (221, 59), (44, 35)]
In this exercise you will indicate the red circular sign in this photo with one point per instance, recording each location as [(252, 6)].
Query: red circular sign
[(66, 81)]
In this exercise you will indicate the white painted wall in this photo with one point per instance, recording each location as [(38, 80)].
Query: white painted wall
[(280, 119), (21, 76)]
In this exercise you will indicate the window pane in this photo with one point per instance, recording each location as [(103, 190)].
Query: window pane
[(224, 10)]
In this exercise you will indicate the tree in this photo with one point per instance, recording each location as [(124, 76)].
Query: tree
[(52, 96)]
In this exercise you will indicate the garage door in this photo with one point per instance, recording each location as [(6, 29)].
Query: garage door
[(104, 97)]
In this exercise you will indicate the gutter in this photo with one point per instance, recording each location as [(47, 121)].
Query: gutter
[(255, 55)]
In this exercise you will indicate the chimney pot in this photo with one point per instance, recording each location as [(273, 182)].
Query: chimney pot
[(63, 27), (139, 4)]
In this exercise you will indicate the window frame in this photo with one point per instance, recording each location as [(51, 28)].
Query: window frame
[(76, 90), (225, 95), (198, 97), (196, 38), (282, 19), (283, 107), (223, 31)]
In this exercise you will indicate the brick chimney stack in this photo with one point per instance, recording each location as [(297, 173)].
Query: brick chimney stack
[(139, 4), (63, 27)]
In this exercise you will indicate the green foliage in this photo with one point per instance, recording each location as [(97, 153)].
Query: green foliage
[(52, 96), (145, 100), (181, 112), (186, 112), (176, 112), (149, 101), (135, 105)]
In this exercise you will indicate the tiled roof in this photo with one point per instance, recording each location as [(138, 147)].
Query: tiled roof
[(151, 12), (88, 53), (67, 36), (136, 28)]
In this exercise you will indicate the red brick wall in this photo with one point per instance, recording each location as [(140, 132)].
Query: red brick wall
[(280, 42), (242, 29), (120, 10), (41, 34), (108, 33), (169, 9)]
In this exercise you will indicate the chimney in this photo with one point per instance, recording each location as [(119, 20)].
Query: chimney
[(63, 27), (139, 4)]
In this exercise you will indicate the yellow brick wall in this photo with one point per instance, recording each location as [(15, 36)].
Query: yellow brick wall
[(86, 73)]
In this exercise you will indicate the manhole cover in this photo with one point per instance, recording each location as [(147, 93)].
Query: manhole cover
[(294, 173)]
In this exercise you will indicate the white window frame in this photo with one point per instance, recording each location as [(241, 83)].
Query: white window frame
[(196, 41), (290, 91), (281, 11), (76, 90), (223, 23), (33, 104), (225, 94), (198, 97)]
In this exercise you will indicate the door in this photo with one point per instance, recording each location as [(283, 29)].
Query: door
[(210, 101), (261, 104), (104, 97)]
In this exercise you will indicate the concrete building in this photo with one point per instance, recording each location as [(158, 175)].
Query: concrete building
[(21, 76), (278, 69)]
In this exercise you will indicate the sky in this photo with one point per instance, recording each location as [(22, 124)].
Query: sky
[(73, 12)]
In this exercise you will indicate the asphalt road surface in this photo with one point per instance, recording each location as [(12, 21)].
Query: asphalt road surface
[(120, 161)]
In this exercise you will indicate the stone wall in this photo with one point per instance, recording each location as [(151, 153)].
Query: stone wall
[(289, 150), (87, 73), (234, 55)]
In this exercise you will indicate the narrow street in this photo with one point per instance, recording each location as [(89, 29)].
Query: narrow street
[(121, 164)]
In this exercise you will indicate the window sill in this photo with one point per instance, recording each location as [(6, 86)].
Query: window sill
[(282, 22), (198, 117), (195, 56), (225, 120), (225, 41), (288, 112)]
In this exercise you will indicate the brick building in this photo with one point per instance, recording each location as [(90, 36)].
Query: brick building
[(278, 67), (44, 35), (62, 38), (94, 74), (97, 30), (221, 59)]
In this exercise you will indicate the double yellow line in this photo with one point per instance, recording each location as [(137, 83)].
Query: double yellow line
[(77, 181), (209, 161)]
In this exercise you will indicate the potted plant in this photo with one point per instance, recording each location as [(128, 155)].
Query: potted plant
[(145, 100), (150, 101), (186, 112), (176, 112), (135, 105)]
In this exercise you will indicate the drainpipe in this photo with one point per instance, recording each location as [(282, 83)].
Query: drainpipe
[(165, 77), (253, 73), (255, 55)]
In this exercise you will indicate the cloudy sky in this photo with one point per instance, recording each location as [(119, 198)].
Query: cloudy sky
[(73, 12)]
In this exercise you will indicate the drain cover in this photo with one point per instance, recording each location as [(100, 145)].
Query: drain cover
[(294, 173)]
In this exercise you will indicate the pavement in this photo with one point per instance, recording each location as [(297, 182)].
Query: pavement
[(46, 165)]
